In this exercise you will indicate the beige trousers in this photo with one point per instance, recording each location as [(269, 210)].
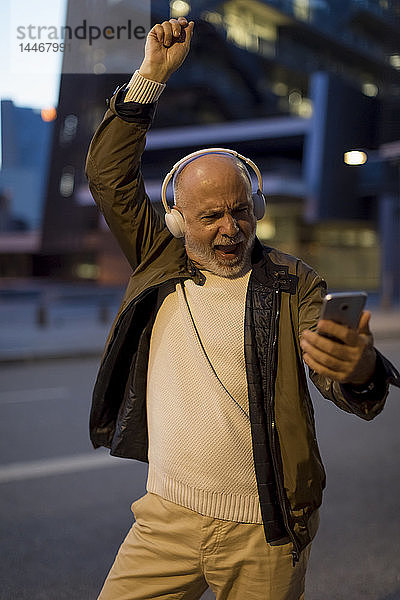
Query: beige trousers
[(174, 553)]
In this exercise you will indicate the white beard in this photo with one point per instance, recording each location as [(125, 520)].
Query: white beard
[(205, 258)]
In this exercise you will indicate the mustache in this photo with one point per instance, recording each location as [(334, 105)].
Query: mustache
[(223, 241)]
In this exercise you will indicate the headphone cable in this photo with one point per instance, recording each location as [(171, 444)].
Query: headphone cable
[(205, 353)]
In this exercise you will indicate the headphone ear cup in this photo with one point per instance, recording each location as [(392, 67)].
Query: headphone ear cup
[(175, 223), (259, 205)]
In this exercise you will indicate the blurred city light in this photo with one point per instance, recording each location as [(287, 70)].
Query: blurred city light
[(280, 89), (48, 114), (67, 182), (355, 157), (87, 271), (305, 108), (370, 89), (266, 229), (179, 8), (395, 61), (301, 9), (295, 97), (99, 68), (298, 105), (69, 129)]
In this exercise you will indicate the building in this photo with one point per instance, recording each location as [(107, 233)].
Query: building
[(76, 244), (25, 143), (293, 84)]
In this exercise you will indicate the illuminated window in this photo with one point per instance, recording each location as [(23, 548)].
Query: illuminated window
[(179, 8), (244, 27), (370, 89), (87, 271), (368, 238), (68, 131), (301, 9), (305, 108), (295, 97), (67, 182), (280, 89), (212, 17), (395, 61), (300, 106)]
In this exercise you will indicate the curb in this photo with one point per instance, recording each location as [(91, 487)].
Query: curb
[(28, 357)]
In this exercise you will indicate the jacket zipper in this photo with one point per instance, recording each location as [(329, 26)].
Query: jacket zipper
[(272, 423)]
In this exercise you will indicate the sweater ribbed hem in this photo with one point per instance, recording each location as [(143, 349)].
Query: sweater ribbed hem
[(142, 90), (239, 508)]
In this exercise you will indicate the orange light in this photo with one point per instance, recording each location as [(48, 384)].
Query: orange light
[(48, 114)]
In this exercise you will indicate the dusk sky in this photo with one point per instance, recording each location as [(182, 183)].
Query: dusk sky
[(29, 78)]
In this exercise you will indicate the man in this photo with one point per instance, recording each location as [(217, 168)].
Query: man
[(203, 370)]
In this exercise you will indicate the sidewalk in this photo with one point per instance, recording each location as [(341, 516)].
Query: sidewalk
[(41, 322), (68, 338), (385, 324), (33, 343)]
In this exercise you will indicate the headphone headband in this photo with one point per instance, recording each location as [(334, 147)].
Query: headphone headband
[(204, 152)]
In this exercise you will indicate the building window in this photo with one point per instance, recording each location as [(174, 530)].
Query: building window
[(67, 182), (68, 130)]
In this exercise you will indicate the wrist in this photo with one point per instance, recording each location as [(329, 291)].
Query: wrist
[(359, 389), (154, 72), (365, 388), (368, 374)]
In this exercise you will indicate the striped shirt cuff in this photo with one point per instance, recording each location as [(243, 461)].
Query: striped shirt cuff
[(142, 90)]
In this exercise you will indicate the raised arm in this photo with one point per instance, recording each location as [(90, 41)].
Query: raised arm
[(113, 161)]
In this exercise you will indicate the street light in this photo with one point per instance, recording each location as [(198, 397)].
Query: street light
[(355, 157)]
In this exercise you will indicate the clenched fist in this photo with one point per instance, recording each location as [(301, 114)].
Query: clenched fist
[(167, 46)]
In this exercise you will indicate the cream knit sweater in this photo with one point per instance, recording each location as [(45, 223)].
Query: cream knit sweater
[(200, 448)]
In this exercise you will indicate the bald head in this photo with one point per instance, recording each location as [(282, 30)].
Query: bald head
[(206, 174)]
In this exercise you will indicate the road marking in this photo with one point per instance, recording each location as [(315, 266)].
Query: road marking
[(17, 396), (58, 466)]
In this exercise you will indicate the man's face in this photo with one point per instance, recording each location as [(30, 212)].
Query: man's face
[(214, 197)]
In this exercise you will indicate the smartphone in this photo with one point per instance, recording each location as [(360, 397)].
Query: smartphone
[(344, 308)]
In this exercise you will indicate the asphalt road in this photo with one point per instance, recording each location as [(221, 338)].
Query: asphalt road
[(65, 508)]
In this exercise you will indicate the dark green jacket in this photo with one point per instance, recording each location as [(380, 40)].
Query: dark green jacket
[(284, 298)]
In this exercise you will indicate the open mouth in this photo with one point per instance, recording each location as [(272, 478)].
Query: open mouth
[(229, 250)]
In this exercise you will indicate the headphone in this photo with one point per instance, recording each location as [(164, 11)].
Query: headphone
[(174, 219)]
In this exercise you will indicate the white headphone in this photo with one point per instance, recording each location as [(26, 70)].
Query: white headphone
[(174, 219)]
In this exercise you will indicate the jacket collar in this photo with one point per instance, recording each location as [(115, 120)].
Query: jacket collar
[(269, 273)]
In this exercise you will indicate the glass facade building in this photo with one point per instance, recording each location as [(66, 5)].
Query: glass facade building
[(294, 85)]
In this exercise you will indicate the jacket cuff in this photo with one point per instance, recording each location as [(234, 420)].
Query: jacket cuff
[(131, 112), (377, 387), (143, 90)]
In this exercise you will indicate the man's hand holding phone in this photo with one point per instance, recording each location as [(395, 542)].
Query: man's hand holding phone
[(337, 351)]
